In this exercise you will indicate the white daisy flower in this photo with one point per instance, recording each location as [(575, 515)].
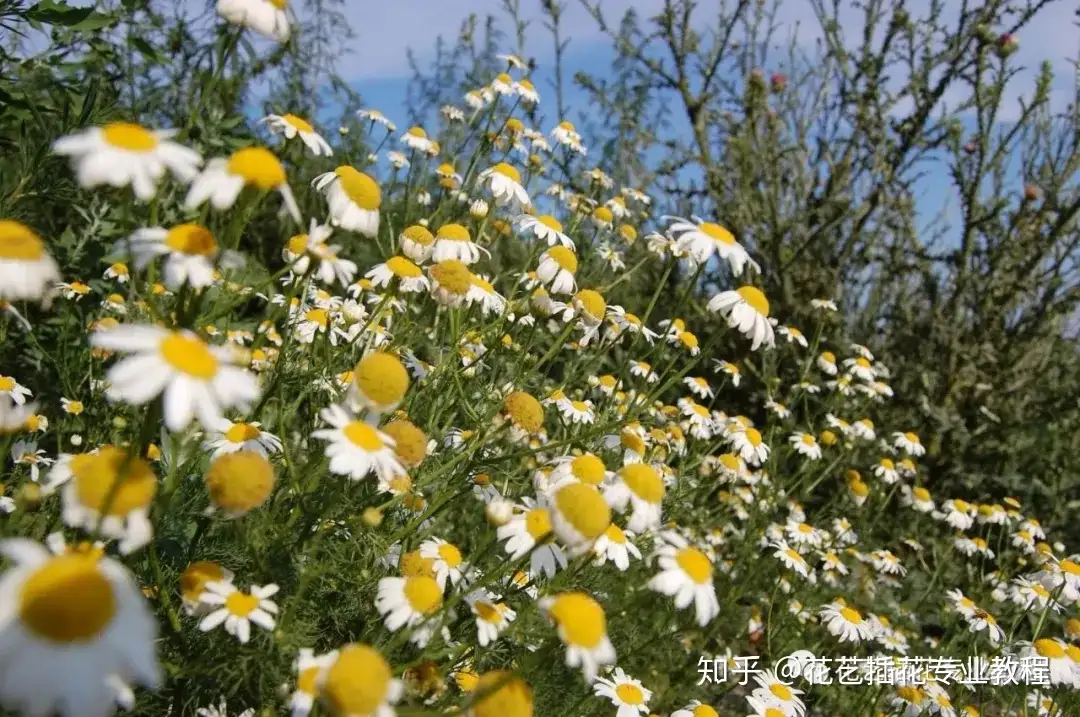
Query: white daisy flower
[(228, 437), (266, 17), (122, 153), (747, 310), (354, 199), (492, 616), (448, 562), (192, 253), (582, 627), (627, 694), (355, 448), (292, 126), (224, 178), (407, 602), (73, 626), (504, 181), (416, 138), (846, 623), (686, 575), (700, 240), (546, 228), (195, 379), (27, 270), (239, 609)]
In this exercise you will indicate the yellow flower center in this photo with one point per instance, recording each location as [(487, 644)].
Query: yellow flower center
[(921, 494), (887, 464), (730, 461), (862, 363), (414, 565), (584, 508), (538, 523), (318, 316), (240, 432), (717, 233), (358, 681), (453, 276), (418, 132), (507, 171), (550, 222), (781, 691), (419, 234), (359, 187), (588, 469), (525, 411), (257, 166), (410, 442), (453, 232), (362, 435), (129, 136), (403, 268), (912, 695), (423, 594), (239, 482), (603, 215), (615, 534), (191, 239), (190, 355), (591, 302), (851, 615), (99, 481), (487, 612), (381, 378), (756, 299), (630, 694), (298, 123), (911, 437), (1049, 648), (859, 488), (706, 711), (1070, 567), (504, 696), (581, 618), (308, 681), (195, 577), (564, 257), (632, 441), (482, 284), (753, 436), (450, 555), (644, 482), (7, 383), (67, 600), (241, 604), (695, 564), (688, 340), (18, 241), (809, 440)]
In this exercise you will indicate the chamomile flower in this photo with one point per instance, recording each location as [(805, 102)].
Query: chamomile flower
[(310, 669), (196, 380), (417, 242), (750, 446), (266, 17), (359, 683), (627, 694), (545, 227), (292, 126), (224, 178), (193, 582), (577, 411), (616, 545), (791, 558), (504, 181), (13, 390), (120, 154), (375, 116), (909, 443), (238, 610), (582, 627), (826, 361), (846, 623), (579, 516), (686, 575), (228, 437), (380, 382), (416, 138), (529, 532), (557, 268), (356, 448), (747, 310), (482, 292), (27, 270), (805, 444), (408, 275), (408, 602), (74, 625), (918, 498), (447, 561), (108, 488), (793, 335), (640, 488), (697, 709), (700, 240), (773, 693), (886, 471), (454, 242), (191, 250), (492, 616), (354, 199)]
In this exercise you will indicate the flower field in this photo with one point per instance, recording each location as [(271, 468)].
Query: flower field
[(387, 421)]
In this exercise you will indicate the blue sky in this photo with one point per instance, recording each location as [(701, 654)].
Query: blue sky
[(379, 68)]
